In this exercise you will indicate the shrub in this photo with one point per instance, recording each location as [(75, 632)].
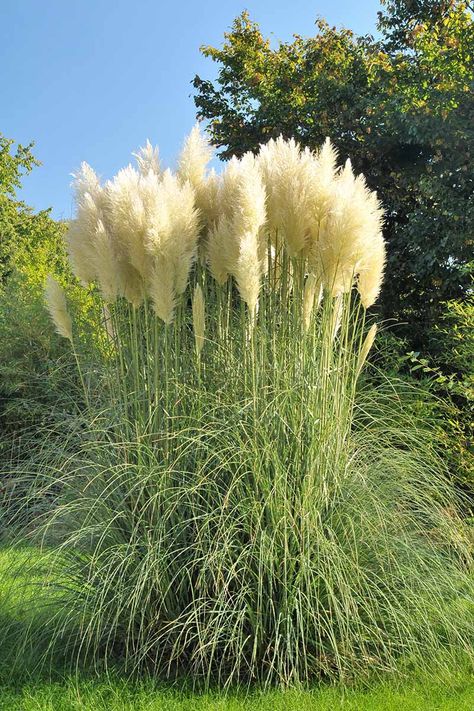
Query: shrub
[(39, 387), (241, 508)]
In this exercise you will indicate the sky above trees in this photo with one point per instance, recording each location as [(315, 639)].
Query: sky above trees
[(92, 80)]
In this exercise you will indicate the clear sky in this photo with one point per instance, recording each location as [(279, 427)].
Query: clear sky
[(93, 79)]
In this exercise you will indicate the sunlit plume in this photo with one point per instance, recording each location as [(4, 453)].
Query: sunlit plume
[(148, 160), (57, 307)]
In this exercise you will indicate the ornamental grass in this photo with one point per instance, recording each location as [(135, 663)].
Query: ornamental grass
[(244, 506)]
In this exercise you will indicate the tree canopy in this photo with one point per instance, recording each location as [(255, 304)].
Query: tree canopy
[(400, 106), (20, 227)]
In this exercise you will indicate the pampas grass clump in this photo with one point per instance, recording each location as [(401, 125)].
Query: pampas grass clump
[(243, 508)]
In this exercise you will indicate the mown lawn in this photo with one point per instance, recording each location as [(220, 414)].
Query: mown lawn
[(114, 695), (26, 690)]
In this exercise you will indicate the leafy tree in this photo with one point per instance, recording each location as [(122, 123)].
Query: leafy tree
[(402, 107), (20, 228)]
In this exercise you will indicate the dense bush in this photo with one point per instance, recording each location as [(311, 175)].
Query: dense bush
[(39, 387)]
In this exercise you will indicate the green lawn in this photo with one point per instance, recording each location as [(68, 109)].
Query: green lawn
[(27, 690), (109, 695)]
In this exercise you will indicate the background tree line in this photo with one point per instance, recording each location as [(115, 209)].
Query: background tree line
[(401, 106)]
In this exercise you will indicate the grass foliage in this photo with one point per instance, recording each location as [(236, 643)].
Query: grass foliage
[(242, 516), (230, 502)]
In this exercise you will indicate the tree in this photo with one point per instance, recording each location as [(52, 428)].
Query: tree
[(401, 107), (20, 228)]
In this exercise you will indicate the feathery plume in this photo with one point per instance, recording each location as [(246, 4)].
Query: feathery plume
[(239, 234), (288, 177), (125, 216), (106, 265), (247, 271), (371, 272), (81, 233), (366, 346), (198, 318), (218, 242), (174, 228), (148, 160), (207, 198), (56, 304), (195, 156), (345, 233)]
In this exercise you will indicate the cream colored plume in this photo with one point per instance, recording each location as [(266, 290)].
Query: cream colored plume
[(288, 177), (198, 318), (171, 237), (366, 346), (219, 242), (105, 236), (106, 266), (371, 271), (208, 199), (173, 228), (194, 158), (125, 217), (81, 233), (148, 160), (345, 232), (57, 307), (323, 175), (237, 245), (248, 271)]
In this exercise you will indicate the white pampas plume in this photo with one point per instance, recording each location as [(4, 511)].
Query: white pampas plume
[(218, 243), (148, 159), (346, 232), (207, 198), (131, 284), (125, 216), (106, 265), (239, 235), (56, 304), (248, 270), (366, 346), (175, 233), (81, 232), (195, 156), (171, 238), (288, 177), (371, 272), (198, 318), (312, 296)]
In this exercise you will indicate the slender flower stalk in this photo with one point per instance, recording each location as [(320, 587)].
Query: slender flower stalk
[(337, 311), (198, 318), (366, 346)]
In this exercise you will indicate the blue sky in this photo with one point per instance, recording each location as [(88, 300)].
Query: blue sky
[(93, 79)]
